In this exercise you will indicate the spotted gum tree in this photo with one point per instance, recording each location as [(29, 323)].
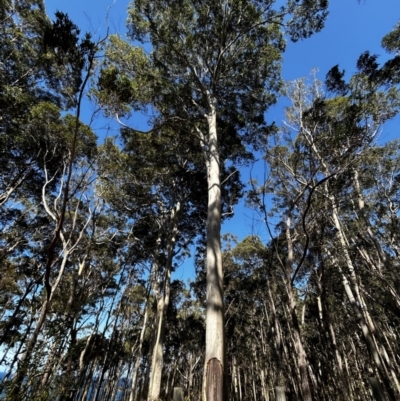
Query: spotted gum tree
[(211, 64)]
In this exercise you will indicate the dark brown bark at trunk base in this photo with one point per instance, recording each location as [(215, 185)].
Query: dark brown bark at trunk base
[(214, 380)]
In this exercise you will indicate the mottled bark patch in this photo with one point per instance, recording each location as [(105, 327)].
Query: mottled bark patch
[(214, 380)]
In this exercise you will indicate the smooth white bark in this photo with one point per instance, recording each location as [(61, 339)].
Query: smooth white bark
[(215, 342), (162, 306)]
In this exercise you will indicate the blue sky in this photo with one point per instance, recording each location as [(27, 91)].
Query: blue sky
[(352, 28)]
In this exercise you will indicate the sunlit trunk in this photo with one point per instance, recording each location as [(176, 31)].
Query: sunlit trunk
[(162, 307), (157, 360), (215, 342), (357, 303), (295, 326), (139, 354)]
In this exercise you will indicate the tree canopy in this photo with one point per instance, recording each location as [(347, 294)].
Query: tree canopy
[(95, 233)]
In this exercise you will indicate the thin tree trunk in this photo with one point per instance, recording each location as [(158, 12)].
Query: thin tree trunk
[(107, 353), (116, 386), (351, 385), (280, 393), (240, 385), (139, 353), (253, 374), (167, 386), (157, 360), (295, 327), (162, 307), (235, 379), (6, 331), (173, 374), (178, 394), (23, 367), (263, 384), (327, 326), (51, 363), (368, 337), (277, 338), (89, 381)]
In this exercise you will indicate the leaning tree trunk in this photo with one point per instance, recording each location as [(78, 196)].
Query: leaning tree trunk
[(357, 304), (327, 327), (376, 263)]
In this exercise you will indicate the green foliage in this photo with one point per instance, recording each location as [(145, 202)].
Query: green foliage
[(33, 133), (308, 17), (391, 41), (196, 46), (127, 84), (66, 57), (200, 48), (121, 198)]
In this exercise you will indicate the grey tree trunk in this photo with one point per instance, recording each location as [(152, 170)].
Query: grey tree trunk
[(162, 306), (280, 393), (326, 324), (358, 304), (213, 387), (178, 394), (88, 381), (157, 360), (298, 344), (139, 353), (235, 379)]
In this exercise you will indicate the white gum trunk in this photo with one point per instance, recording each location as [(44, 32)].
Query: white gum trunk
[(215, 353), (162, 306), (139, 354), (356, 301), (298, 344), (157, 360)]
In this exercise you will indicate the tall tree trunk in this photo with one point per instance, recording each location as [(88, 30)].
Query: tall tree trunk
[(327, 327), (357, 304), (53, 361), (280, 394), (139, 353), (240, 385), (157, 360), (235, 380), (116, 385), (214, 383), (23, 366), (31, 287), (265, 392), (162, 307), (295, 326), (393, 285), (108, 352), (281, 360), (89, 381), (253, 374)]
